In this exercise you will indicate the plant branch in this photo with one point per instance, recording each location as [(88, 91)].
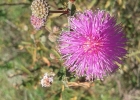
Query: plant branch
[(32, 71), (13, 4)]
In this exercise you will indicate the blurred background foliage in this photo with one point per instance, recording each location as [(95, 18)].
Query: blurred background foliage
[(26, 54)]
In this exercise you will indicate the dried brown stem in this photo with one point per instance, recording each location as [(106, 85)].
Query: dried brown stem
[(13, 4), (59, 11)]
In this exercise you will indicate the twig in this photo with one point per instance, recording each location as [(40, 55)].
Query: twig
[(59, 11), (78, 84), (32, 71), (134, 53), (13, 4)]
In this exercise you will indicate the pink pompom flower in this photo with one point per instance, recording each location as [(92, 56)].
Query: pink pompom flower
[(94, 46), (37, 22)]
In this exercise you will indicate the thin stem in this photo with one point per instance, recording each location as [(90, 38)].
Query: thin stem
[(133, 53), (13, 4), (59, 11), (69, 7), (33, 38)]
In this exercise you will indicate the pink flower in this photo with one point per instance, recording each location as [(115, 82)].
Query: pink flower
[(40, 12), (93, 46), (37, 22)]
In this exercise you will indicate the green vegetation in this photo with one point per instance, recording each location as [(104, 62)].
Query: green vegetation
[(24, 59)]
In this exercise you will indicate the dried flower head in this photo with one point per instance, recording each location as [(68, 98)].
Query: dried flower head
[(40, 8), (94, 46), (47, 80)]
